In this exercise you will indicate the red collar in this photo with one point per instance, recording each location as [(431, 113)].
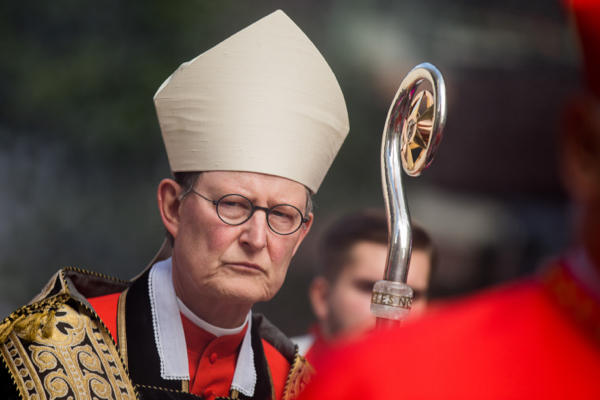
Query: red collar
[(197, 339)]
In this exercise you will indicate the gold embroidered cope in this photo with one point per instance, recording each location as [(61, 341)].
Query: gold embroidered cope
[(77, 361), (57, 348)]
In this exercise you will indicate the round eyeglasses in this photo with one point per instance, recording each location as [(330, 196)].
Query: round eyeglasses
[(235, 209)]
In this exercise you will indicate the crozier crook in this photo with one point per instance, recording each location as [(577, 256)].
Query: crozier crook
[(412, 133)]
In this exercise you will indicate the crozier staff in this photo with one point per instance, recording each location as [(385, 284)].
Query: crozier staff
[(251, 127)]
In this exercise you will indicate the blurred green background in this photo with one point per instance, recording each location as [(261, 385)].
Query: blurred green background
[(81, 153)]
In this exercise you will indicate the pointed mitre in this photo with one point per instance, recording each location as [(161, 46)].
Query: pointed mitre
[(264, 100)]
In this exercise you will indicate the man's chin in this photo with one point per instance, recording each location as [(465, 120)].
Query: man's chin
[(247, 288), (245, 295)]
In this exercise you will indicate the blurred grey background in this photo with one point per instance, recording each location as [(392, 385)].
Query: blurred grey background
[(81, 153)]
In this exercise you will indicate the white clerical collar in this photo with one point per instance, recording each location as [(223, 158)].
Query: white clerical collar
[(215, 330), (170, 339)]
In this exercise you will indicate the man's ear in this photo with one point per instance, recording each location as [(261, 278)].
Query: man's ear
[(318, 294), (168, 205), (304, 231)]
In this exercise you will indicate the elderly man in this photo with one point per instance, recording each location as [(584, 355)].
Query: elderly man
[(250, 128), (538, 338)]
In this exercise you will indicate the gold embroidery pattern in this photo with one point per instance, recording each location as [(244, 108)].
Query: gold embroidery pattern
[(300, 376), (29, 385), (77, 361), (121, 328)]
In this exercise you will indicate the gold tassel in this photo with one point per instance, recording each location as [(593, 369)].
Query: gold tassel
[(49, 325), (41, 317), (28, 327), (8, 328)]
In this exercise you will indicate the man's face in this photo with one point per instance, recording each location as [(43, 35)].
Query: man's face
[(350, 297), (240, 264), (418, 280)]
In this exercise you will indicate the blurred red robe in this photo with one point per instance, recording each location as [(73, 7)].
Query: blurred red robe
[(533, 339)]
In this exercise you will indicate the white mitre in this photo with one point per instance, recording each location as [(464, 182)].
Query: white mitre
[(263, 101)]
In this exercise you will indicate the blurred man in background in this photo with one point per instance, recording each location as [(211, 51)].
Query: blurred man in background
[(351, 258), (251, 127), (537, 338)]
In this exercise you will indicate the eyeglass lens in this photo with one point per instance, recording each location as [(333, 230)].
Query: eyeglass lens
[(235, 209)]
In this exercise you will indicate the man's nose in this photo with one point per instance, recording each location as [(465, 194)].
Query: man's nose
[(255, 230)]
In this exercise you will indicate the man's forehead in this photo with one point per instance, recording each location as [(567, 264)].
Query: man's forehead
[(252, 184), (245, 177), (367, 260)]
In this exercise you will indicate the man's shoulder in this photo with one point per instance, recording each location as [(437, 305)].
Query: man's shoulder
[(67, 284), (509, 314), (508, 300), (81, 285), (511, 341), (290, 371), (44, 338), (270, 334), (485, 325)]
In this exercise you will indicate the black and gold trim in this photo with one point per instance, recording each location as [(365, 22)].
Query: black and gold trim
[(15, 356), (121, 329), (300, 376)]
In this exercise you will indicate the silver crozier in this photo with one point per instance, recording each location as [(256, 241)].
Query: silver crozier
[(412, 133)]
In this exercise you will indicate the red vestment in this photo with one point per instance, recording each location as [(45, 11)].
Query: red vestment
[(526, 340), (216, 357), (319, 347)]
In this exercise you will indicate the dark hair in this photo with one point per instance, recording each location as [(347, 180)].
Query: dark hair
[(187, 181), (368, 225)]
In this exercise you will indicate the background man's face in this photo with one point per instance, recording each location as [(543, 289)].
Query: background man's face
[(418, 280), (350, 296), (239, 264)]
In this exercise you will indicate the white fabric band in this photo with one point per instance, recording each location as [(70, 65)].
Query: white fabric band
[(168, 330), (215, 330), (170, 338)]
